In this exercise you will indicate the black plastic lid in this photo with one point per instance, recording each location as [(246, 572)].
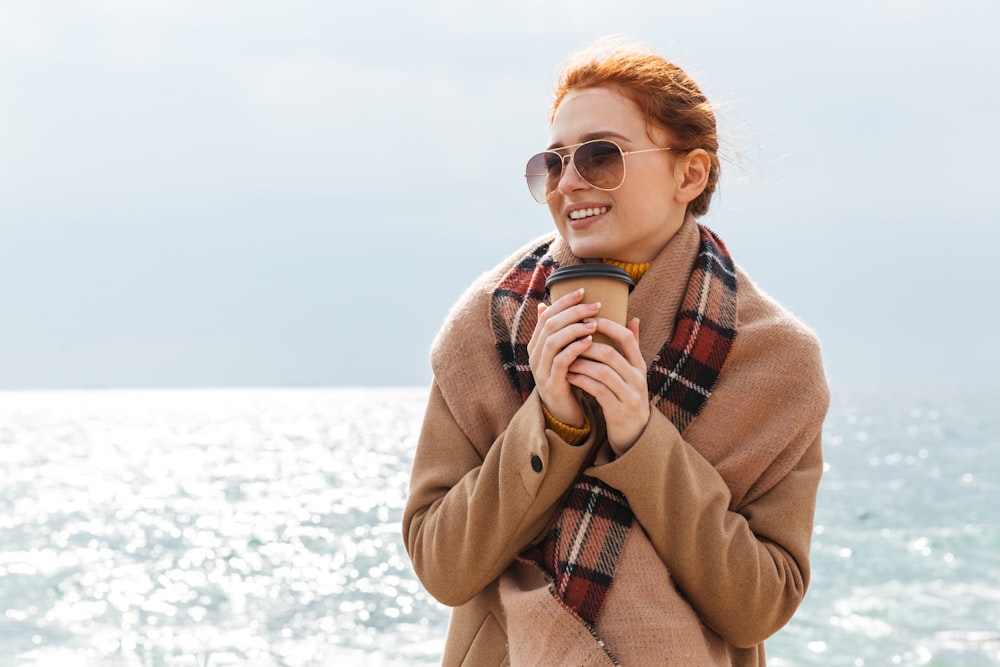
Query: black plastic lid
[(590, 271)]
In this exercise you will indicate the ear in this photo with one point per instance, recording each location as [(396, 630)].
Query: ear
[(691, 175)]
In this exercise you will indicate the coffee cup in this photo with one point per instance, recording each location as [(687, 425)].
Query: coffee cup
[(605, 283)]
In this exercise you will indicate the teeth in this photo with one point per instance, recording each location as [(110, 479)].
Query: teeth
[(587, 212)]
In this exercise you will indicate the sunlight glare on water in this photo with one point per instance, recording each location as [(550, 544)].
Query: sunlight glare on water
[(210, 528), (262, 527), (905, 566)]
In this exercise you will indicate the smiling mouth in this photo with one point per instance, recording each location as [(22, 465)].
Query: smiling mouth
[(582, 213)]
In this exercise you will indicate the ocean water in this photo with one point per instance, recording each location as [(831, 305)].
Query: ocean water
[(261, 527)]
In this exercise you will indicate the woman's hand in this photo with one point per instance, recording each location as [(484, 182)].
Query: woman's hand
[(617, 380), (562, 334)]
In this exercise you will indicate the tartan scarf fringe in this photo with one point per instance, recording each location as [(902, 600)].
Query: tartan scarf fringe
[(594, 518), (579, 553)]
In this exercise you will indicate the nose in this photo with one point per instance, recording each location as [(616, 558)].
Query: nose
[(570, 179)]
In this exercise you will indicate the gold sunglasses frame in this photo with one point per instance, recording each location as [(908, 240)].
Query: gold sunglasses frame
[(568, 159)]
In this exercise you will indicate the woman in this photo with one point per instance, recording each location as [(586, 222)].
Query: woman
[(643, 503)]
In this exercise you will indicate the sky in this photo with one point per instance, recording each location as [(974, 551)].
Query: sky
[(293, 193)]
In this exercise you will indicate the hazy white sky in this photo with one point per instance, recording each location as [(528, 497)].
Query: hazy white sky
[(270, 193)]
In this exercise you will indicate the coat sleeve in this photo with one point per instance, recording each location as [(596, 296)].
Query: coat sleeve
[(745, 572), (467, 516)]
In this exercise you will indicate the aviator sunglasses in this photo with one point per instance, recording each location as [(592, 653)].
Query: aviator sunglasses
[(600, 162)]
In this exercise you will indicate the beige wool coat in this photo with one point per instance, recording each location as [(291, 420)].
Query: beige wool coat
[(721, 561)]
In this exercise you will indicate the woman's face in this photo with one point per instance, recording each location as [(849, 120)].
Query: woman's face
[(634, 222)]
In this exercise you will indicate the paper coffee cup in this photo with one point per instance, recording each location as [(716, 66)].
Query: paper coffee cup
[(605, 283)]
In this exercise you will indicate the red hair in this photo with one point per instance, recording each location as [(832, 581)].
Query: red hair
[(664, 93)]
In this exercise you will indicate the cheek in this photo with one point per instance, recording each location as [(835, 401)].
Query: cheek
[(555, 210), (643, 214)]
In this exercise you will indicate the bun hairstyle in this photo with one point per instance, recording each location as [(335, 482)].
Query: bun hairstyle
[(665, 94)]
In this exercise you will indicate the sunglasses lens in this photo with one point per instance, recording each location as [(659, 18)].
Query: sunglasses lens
[(542, 174), (601, 164)]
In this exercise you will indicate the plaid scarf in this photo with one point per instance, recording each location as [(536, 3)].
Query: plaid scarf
[(580, 553)]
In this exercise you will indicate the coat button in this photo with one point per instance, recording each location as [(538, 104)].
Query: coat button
[(536, 463)]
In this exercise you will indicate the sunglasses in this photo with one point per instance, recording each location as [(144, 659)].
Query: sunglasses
[(601, 163)]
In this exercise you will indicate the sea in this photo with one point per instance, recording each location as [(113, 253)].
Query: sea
[(227, 527)]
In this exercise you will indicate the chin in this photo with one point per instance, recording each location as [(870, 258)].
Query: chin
[(588, 248)]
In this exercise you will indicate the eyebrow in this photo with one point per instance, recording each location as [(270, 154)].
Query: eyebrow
[(590, 136)]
